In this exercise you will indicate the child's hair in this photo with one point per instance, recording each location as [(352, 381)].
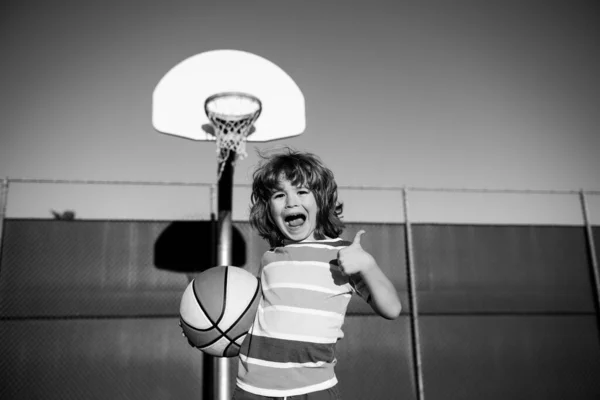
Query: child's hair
[(301, 169)]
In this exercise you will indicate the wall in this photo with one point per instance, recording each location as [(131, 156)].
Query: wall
[(89, 310)]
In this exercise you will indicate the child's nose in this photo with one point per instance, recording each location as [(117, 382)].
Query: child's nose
[(291, 201)]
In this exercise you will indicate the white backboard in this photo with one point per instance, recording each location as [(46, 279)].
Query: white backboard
[(178, 99)]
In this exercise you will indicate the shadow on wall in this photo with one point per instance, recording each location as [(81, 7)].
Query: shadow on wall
[(190, 247)]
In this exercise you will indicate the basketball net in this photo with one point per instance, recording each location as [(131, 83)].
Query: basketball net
[(232, 116)]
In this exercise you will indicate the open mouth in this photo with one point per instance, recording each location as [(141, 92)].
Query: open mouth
[(294, 220)]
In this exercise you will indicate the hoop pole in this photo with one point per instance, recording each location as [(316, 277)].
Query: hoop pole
[(411, 283), (221, 365)]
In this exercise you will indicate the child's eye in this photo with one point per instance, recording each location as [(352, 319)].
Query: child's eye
[(303, 191), (277, 195)]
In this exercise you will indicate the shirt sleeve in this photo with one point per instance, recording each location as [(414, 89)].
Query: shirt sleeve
[(360, 287)]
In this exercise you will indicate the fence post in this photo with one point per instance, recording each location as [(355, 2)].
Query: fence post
[(3, 202), (411, 283)]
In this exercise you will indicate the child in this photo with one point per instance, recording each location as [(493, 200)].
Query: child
[(307, 279)]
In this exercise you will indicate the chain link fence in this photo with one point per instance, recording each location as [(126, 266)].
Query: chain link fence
[(499, 287)]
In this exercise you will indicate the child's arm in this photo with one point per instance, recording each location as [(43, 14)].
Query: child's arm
[(355, 260)]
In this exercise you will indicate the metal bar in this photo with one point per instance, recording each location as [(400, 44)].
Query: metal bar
[(595, 272), (108, 182), (356, 187), (454, 190), (224, 256), (413, 300), (492, 191), (462, 190)]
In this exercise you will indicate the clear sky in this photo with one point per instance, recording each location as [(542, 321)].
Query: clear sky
[(499, 94)]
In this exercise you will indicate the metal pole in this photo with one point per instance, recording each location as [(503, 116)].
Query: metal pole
[(412, 298), (224, 256), (592, 253)]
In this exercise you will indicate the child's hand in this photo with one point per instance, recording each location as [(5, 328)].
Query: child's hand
[(353, 259)]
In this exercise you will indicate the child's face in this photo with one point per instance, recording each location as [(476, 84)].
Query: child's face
[(294, 211)]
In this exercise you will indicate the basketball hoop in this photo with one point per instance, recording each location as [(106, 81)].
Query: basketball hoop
[(232, 115), (229, 83)]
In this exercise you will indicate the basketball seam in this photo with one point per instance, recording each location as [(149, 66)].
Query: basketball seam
[(206, 314), (194, 328), (256, 291), (225, 280), (224, 333), (216, 324), (232, 340)]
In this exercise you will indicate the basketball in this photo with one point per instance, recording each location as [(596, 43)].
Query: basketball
[(218, 308)]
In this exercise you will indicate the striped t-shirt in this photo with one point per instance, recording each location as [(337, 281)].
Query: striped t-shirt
[(290, 349)]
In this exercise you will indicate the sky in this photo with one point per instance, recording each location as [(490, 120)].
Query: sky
[(435, 94)]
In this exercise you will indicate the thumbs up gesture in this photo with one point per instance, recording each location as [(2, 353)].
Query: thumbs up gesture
[(354, 259)]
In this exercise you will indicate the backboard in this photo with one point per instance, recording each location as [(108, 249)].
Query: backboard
[(179, 97)]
